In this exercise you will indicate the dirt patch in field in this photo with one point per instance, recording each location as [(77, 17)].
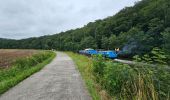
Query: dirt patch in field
[(7, 57)]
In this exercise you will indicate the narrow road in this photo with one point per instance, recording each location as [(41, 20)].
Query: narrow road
[(59, 80)]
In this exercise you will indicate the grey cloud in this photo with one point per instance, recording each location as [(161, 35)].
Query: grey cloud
[(32, 18)]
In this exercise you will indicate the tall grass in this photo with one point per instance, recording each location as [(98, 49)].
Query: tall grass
[(137, 82), (23, 68), (107, 80)]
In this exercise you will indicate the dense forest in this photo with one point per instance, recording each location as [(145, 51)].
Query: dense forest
[(136, 30)]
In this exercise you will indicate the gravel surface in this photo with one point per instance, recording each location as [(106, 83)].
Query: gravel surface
[(59, 80)]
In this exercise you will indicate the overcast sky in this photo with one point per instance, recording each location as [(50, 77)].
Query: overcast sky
[(31, 18)]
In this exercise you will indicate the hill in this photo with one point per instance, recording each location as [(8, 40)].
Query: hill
[(139, 29)]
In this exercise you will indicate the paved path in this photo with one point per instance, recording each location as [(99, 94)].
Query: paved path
[(59, 80)]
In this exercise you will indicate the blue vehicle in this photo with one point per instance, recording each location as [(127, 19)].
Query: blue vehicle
[(108, 54), (88, 52)]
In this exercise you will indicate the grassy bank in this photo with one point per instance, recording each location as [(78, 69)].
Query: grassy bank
[(132, 82), (84, 65), (23, 68), (107, 80)]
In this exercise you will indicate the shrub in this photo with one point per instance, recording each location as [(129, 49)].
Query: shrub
[(114, 75), (127, 82), (98, 65), (157, 56)]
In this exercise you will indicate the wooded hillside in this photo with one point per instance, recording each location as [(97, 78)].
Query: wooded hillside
[(136, 30)]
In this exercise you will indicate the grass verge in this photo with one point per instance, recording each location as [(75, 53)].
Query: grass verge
[(108, 80), (24, 68), (84, 65)]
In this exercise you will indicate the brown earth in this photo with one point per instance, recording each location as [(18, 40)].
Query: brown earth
[(8, 56)]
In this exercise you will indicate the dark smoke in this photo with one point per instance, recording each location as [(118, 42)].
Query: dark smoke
[(128, 50)]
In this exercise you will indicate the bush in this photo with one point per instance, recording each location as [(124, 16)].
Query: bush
[(98, 65), (157, 56), (135, 82), (114, 75)]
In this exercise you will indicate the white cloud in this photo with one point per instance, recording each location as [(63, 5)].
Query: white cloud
[(29, 18)]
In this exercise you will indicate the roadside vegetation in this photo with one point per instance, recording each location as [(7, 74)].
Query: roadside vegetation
[(23, 67), (107, 79), (84, 65), (132, 82)]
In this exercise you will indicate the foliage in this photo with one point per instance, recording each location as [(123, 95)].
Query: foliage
[(88, 42), (113, 42), (157, 56), (99, 65), (135, 82), (166, 40), (145, 24), (166, 44), (23, 68)]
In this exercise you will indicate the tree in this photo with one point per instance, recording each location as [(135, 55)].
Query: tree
[(88, 42), (136, 27), (137, 41), (166, 40), (105, 43), (113, 43)]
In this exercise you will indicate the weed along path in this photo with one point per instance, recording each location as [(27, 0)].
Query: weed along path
[(59, 80)]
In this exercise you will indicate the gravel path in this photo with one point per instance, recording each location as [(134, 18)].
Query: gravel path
[(59, 80)]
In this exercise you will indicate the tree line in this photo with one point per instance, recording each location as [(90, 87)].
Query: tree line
[(136, 30)]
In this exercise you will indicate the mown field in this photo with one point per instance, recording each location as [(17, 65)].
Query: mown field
[(16, 65), (109, 80), (8, 56)]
